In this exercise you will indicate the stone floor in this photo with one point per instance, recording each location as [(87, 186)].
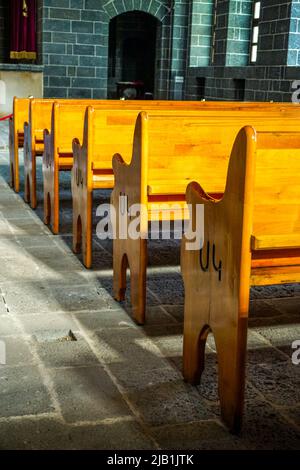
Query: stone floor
[(119, 386)]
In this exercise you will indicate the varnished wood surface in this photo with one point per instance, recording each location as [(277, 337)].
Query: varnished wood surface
[(16, 138), (255, 232)]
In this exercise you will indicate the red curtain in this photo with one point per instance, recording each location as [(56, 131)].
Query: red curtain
[(23, 29)]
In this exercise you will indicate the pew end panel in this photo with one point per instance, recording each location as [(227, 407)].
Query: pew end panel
[(82, 189), (27, 163), (106, 131), (61, 152), (51, 176), (131, 188), (253, 232), (39, 119), (76, 185), (12, 139), (216, 281)]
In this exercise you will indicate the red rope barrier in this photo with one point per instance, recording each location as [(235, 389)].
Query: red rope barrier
[(5, 117)]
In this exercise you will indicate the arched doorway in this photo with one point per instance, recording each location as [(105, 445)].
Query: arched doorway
[(132, 50)]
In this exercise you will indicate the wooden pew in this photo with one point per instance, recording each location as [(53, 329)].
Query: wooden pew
[(67, 123), (253, 235), (168, 153), (106, 132), (40, 113), (16, 138)]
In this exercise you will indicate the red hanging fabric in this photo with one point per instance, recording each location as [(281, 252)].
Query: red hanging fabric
[(23, 29)]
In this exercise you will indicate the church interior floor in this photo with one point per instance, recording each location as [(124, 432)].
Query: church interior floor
[(80, 374)]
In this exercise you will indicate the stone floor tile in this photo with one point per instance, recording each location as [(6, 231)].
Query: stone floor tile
[(18, 351), (288, 306), (62, 353), (127, 346), (71, 299), (263, 428), (201, 435), (40, 433), (120, 435), (23, 392), (168, 289), (28, 298), (260, 351), (87, 394), (279, 383), (263, 309), (281, 336), (3, 310), (36, 324)]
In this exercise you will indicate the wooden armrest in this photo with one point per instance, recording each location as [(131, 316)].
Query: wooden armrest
[(164, 187), (101, 165), (65, 151), (275, 242), (39, 135)]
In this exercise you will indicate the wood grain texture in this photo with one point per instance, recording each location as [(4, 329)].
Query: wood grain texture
[(216, 141), (195, 146)]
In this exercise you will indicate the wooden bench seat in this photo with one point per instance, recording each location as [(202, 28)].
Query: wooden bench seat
[(253, 233), (16, 138), (107, 132), (40, 114), (269, 242)]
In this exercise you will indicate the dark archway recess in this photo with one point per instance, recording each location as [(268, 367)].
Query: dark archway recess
[(132, 50)]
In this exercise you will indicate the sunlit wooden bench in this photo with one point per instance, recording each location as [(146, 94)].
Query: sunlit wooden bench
[(168, 153), (251, 237), (16, 138), (67, 122), (40, 112), (59, 156), (106, 132)]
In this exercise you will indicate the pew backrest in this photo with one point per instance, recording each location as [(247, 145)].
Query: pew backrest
[(187, 147), (277, 185), (20, 113)]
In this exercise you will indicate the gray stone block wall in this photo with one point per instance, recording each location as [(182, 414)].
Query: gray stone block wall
[(232, 32), (271, 77), (274, 32), (201, 32), (73, 47), (180, 32), (74, 32), (238, 32), (261, 83), (75, 44), (221, 32), (294, 37)]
